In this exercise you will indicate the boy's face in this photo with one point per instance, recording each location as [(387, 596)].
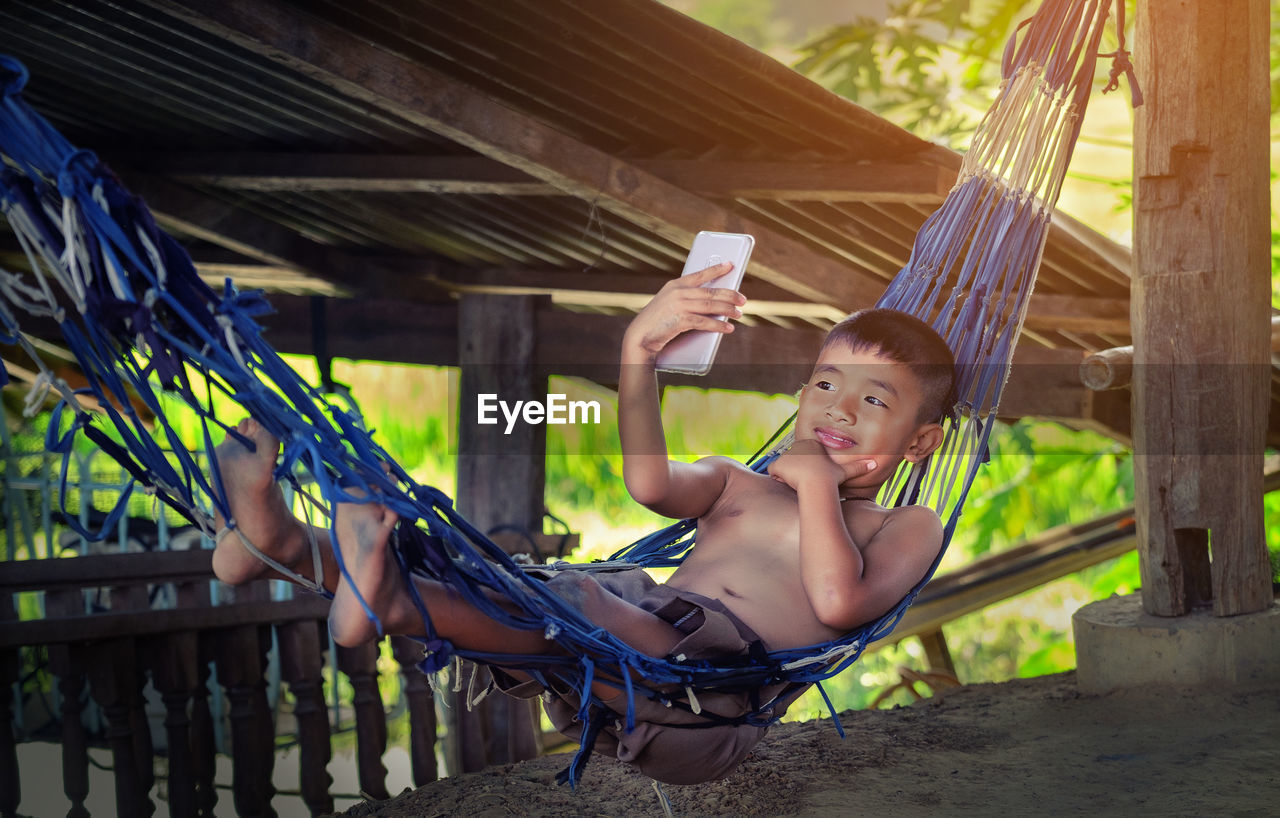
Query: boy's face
[(861, 406)]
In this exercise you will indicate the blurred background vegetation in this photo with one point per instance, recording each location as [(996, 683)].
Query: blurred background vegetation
[(930, 66), (933, 67)]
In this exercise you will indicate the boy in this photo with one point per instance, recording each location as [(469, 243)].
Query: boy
[(798, 557)]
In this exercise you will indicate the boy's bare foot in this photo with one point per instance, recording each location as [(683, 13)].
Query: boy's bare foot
[(259, 510), (363, 530)]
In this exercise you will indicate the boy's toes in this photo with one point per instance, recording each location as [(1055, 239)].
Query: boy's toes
[(388, 519)]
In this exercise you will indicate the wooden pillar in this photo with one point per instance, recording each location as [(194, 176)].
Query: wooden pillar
[(302, 645), (1200, 306), (112, 670), (360, 664), (501, 478), (172, 658), (422, 710), (10, 781), (241, 662), (203, 749)]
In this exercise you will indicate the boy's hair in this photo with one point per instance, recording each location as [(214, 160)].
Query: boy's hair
[(904, 339)]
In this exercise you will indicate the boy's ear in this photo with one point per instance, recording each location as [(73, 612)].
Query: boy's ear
[(927, 438)]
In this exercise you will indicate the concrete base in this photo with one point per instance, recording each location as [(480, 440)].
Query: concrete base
[(1119, 646)]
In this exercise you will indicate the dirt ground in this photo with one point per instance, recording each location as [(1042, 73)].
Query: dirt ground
[(1026, 747)]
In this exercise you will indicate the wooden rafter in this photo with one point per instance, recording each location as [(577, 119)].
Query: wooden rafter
[(445, 106), (1043, 383), (719, 179), (222, 224)]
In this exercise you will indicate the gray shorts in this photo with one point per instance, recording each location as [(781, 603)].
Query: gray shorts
[(658, 746)]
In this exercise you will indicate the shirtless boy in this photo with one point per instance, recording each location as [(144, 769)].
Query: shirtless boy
[(797, 557)]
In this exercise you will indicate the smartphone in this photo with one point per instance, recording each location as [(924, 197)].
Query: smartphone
[(692, 352)]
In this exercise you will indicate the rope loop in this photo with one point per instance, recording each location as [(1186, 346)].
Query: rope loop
[(66, 174)]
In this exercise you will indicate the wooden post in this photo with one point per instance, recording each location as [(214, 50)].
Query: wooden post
[(203, 749), (10, 782), (500, 484), (172, 659), (240, 668), (422, 710), (112, 670), (1201, 292), (360, 664), (302, 646)]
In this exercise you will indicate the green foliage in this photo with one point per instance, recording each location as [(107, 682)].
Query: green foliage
[(907, 68)]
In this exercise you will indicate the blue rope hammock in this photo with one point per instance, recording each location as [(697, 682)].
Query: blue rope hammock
[(140, 322)]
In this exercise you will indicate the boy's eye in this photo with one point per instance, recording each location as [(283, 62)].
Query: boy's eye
[(874, 401), (824, 385)]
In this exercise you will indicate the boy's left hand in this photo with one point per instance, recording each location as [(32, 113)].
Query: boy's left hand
[(803, 462)]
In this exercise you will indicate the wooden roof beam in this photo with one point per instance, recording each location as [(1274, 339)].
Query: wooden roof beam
[(445, 106), (1043, 383), (203, 217), (718, 179)]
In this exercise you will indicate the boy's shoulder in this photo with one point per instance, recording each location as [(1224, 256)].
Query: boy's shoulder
[(916, 526), (728, 465), (912, 512)]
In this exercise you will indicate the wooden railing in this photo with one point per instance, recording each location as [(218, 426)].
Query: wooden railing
[(1052, 555), (115, 652)]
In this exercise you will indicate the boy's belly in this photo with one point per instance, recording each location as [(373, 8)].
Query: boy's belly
[(771, 602)]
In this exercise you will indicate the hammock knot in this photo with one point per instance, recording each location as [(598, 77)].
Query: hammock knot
[(38, 392), (66, 172), (1120, 63), (437, 655)]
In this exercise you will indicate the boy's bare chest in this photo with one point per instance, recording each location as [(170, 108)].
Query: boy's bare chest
[(748, 556), (757, 529), (767, 513)]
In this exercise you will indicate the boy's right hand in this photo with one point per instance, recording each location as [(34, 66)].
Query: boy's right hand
[(682, 304)]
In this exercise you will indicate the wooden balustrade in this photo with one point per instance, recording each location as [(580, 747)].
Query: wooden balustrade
[(112, 654)]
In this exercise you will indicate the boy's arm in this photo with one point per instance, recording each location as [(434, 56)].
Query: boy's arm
[(847, 582), (670, 488)]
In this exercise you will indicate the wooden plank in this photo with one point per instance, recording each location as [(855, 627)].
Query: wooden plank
[(194, 214), (447, 107), (1201, 295), (96, 570), (1078, 313), (864, 181), (96, 627), (351, 172)]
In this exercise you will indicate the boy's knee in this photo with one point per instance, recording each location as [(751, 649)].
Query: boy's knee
[(576, 588)]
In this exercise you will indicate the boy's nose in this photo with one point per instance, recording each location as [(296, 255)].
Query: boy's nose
[(839, 412)]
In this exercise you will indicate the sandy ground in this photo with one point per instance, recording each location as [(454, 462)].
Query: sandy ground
[(1028, 747)]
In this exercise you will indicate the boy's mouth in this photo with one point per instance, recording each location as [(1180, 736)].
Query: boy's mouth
[(832, 439)]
